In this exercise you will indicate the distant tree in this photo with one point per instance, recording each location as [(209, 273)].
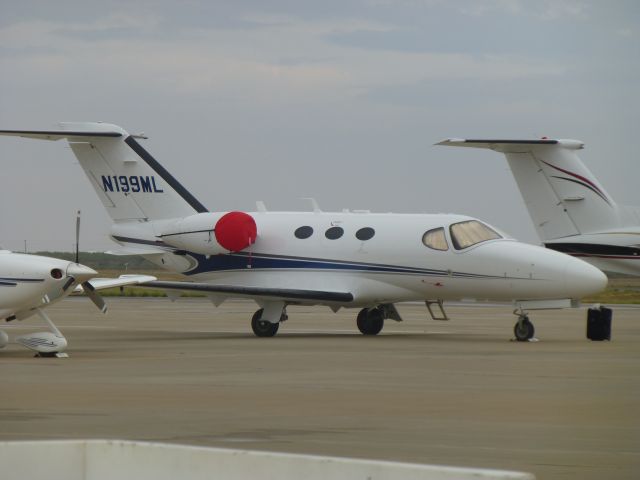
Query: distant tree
[(103, 261)]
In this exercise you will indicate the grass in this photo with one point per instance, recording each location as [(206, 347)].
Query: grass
[(620, 290)]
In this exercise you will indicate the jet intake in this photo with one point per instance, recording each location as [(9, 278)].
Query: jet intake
[(212, 233)]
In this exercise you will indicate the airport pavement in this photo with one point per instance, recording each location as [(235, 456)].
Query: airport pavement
[(455, 393)]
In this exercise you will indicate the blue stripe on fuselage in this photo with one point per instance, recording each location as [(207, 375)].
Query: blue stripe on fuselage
[(243, 261), (246, 261)]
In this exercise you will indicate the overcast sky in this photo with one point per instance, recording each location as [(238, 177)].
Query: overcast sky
[(337, 100)]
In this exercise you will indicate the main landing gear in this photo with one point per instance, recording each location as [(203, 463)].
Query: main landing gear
[(265, 328), (45, 344), (266, 321), (523, 329), (370, 321)]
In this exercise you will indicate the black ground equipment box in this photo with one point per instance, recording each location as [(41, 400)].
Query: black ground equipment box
[(599, 323)]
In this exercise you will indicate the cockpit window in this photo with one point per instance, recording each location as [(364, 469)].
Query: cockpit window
[(471, 232), (435, 239)]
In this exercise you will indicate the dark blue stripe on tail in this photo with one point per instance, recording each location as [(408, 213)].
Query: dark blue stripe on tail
[(166, 176)]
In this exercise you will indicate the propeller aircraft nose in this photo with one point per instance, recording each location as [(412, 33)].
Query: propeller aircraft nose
[(80, 272)]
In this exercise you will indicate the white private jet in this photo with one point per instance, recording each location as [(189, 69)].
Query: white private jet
[(29, 283), (571, 211), (358, 260)]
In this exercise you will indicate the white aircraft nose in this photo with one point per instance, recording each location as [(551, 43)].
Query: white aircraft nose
[(583, 279), (80, 272)]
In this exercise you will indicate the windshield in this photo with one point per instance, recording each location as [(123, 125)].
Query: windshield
[(471, 232)]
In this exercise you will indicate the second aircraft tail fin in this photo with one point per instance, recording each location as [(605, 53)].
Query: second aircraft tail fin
[(562, 195)]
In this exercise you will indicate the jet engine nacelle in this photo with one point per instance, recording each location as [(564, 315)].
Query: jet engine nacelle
[(212, 233)]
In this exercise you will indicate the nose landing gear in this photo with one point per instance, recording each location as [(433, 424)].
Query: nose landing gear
[(523, 329)]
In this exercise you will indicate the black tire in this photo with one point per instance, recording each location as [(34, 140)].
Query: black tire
[(370, 322), (263, 328), (524, 330)]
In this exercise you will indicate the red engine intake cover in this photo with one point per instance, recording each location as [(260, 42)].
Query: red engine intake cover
[(235, 231)]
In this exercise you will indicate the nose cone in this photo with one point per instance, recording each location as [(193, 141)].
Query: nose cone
[(80, 272), (582, 279)]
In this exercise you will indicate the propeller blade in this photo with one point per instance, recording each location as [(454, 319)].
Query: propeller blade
[(70, 281), (94, 296), (78, 237)]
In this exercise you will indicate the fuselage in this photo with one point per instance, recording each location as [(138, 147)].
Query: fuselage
[(380, 258), (615, 251)]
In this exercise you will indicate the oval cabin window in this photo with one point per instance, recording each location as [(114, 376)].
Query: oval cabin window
[(334, 233), (365, 233), (303, 232)]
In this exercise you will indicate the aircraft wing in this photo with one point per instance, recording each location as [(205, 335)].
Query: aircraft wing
[(121, 281), (134, 250), (252, 292)]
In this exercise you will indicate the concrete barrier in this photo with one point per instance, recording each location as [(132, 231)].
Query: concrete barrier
[(116, 459)]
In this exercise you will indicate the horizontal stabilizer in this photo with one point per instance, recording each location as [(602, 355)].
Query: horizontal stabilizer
[(59, 134), (251, 292), (510, 146)]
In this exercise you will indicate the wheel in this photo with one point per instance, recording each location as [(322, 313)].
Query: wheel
[(370, 322), (263, 328), (523, 329)]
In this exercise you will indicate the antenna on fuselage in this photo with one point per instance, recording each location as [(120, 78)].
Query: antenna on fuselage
[(314, 204)]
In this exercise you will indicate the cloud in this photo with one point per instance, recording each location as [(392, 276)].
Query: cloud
[(626, 32), (338, 94), (228, 62), (545, 10)]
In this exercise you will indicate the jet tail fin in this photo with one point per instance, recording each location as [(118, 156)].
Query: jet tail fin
[(562, 195), (131, 184)]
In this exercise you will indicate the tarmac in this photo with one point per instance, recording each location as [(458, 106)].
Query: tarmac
[(455, 393)]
